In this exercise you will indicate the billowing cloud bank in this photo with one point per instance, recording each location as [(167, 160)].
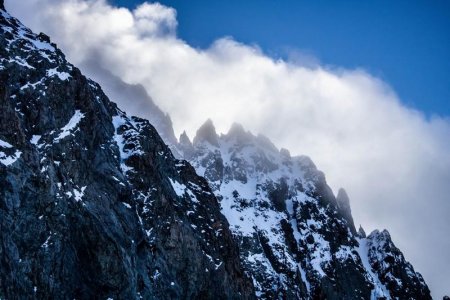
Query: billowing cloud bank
[(393, 161)]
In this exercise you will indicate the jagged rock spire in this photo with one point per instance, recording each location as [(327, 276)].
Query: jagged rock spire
[(236, 129), (184, 139), (344, 208), (239, 134), (185, 146), (207, 133), (361, 232), (2, 5)]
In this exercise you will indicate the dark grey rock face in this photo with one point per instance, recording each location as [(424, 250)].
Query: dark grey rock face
[(344, 208), (92, 203), (185, 147), (296, 239)]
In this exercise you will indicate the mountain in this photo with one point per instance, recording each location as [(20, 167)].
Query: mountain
[(134, 97), (297, 240), (95, 205)]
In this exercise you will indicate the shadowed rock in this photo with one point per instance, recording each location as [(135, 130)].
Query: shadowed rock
[(207, 133), (344, 208), (185, 146), (93, 203), (361, 232)]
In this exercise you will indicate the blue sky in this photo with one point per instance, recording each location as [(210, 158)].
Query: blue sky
[(405, 43)]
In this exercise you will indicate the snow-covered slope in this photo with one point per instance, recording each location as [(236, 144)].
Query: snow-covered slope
[(297, 239)]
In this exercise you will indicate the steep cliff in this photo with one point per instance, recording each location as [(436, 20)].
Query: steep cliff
[(93, 203)]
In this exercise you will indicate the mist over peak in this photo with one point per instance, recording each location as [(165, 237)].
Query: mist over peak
[(206, 133)]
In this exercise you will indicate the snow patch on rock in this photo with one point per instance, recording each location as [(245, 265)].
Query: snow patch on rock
[(70, 126)]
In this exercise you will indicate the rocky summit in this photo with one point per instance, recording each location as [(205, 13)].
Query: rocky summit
[(296, 239), (94, 205)]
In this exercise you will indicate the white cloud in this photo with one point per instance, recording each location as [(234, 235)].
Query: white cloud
[(151, 19), (393, 161)]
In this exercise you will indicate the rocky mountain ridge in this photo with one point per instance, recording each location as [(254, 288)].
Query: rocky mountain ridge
[(297, 240), (95, 205)]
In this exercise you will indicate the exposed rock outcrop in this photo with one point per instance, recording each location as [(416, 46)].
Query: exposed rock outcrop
[(93, 203), (344, 208)]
